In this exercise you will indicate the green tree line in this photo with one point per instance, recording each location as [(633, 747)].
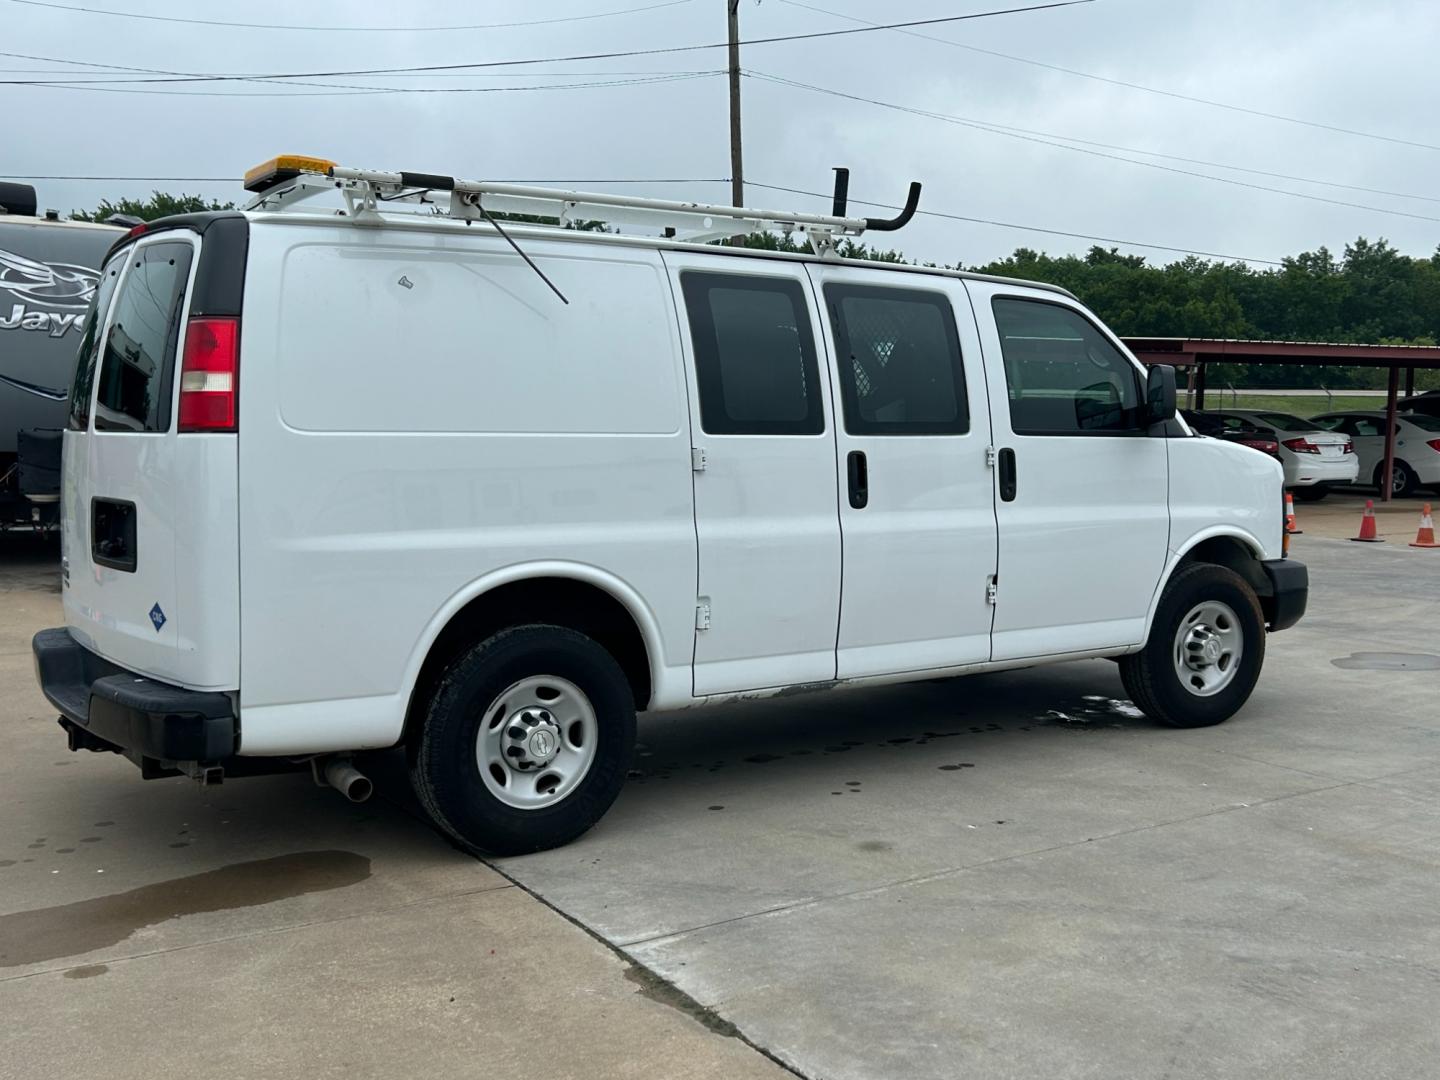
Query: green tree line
[(1371, 293)]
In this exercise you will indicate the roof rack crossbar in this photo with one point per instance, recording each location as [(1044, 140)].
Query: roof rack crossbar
[(367, 191)]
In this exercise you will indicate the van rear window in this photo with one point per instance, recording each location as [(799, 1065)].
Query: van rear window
[(138, 360), (84, 383)]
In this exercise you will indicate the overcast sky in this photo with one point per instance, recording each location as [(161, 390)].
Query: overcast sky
[(1365, 66)]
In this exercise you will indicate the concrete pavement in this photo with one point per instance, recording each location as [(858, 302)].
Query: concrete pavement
[(1012, 875), (269, 928)]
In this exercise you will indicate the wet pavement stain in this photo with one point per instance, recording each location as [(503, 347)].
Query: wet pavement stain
[(761, 759), (875, 845), (87, 971), (31, 937), (1388, 661), (960, 765)]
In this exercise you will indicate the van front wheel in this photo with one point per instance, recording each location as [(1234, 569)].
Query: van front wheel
[(525, 741), (1205, 649)]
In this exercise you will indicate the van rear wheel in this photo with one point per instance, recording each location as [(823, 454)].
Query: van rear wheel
[(525, 741), (1205, 650)]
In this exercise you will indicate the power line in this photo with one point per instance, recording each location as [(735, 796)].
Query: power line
[(1015, 134), (371, 91), (421, 75), (328, 89), (1008, 128), (1122, 82), (658, 51), (344, 29), (1029, 228), (236, 179)]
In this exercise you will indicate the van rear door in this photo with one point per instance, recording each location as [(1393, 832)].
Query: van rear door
[(150, 561)]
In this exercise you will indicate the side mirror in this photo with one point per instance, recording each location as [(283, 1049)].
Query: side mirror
[(1160, 394)]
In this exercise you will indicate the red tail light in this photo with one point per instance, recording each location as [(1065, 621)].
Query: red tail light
[(1434, 444), (209, 375), (1349, 447), (1301, 446)]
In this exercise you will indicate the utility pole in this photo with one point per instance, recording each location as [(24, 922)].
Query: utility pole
[(737, 168)]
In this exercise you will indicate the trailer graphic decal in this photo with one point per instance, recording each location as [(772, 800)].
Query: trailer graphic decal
[(50, 297)]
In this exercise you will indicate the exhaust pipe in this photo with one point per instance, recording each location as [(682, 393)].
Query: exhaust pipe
[(347, 779)]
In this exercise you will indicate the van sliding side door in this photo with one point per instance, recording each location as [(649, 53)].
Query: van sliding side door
[(768, 596), (917, 512)]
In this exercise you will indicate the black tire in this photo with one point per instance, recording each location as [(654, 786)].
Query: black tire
[(1404, 482), (1313, 493), (1150, 677), (444, 769)]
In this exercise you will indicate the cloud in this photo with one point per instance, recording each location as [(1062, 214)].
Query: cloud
[(1366, 67)]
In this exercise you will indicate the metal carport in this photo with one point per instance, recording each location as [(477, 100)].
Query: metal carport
[(1196, 353)]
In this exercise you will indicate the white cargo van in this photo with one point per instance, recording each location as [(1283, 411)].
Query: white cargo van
[(348, 477)]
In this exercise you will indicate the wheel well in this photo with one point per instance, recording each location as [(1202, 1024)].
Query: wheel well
[(1235, 554), (578, 605)]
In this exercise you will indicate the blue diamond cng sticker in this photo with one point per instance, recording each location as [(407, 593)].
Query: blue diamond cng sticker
[(157, 617)]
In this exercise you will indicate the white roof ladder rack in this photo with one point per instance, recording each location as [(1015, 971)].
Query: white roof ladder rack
[(287, 181)]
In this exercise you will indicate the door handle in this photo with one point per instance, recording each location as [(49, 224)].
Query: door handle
[(1007, 475), (859, 473)]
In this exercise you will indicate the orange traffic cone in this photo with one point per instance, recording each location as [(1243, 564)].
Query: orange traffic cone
[(1426, 536), (1290, 516), (1367, 525)]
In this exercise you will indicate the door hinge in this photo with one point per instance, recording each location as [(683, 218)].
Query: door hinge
[(990, 456), (697, 458), (992, 589), (702, 614)]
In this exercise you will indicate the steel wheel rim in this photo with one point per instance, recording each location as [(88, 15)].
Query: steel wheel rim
[(537, 741), (1209, 645)]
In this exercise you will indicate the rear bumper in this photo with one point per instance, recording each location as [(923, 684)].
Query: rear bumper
[(1290, 591), (1303, 473), (104, 707)]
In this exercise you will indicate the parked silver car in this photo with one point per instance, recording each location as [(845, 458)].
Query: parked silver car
[(1315, 459)]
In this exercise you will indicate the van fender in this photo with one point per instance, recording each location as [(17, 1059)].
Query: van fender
[(668, 686), (1176, 556)]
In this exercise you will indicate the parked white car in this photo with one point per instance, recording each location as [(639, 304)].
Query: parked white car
[(345, 480), (1417, 447), (1315, 459)]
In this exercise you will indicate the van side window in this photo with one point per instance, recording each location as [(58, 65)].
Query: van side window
[(754, 355), (89, 353), (138, 360), (899, 361), (1064, 376)]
